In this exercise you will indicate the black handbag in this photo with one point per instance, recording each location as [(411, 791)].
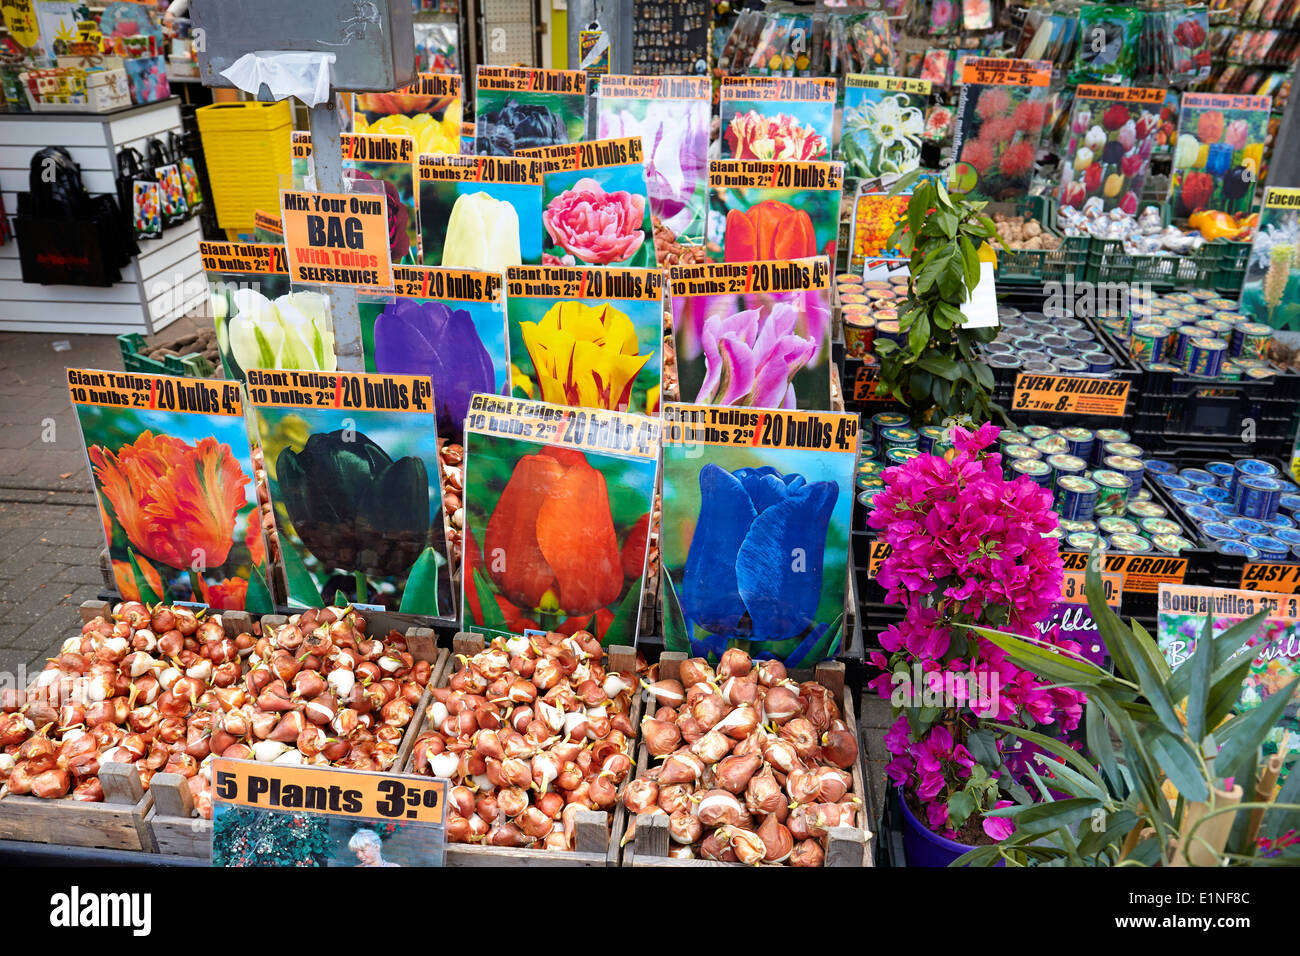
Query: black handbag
[(175, 210), (138, 194)]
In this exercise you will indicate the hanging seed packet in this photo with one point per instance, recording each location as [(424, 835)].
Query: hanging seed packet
[(1219, 153), (595, 204), (882, 126), (936, 67), (1112, 135), (755, 531), (753, 334), (352, 466), (428, 111), (267, 227), (482, 213), (1187, 44), (261, 322), (769, 211), (173, 474), (671, 115), (977, 14), (1108, 43), (518, 108), (777, 118), (448, 325), (557, 517), (1000, 117), (591, 338), (386, 159), (1271, 290)]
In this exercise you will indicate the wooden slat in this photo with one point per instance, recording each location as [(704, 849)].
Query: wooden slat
[(172, 796), (15, 290)]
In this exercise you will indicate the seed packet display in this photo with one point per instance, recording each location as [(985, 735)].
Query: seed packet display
[(267, 227), (753, 334), (1219, 153), (755, 530), (261, 322), (446, 324), (352, 466), (1271, 290), (768, 211), (1187, 44), (480, 212), (671, 115), (518, 108), (591, 338), (1000, 117), (391, 161), (882, 126), (595, 204), (779, 118), (173, 474), (875, 217), (557, 516), (1109, 38), (428, 111), (1113, 131)]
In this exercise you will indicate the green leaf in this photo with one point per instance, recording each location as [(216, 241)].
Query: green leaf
[(1099, 745), (939, 364), (822, 649), (1117, 827), (1058, 749), (960, 806), (1224, 647), (1180, 764), (1046, 817), (919, 336), (257, 599), (1240, 738), (970, 260), (676, 637), (623, 629), (1146, 773), (487, 604), (983, 375), (1198, 691), (303, 590), (983, 746), (945, 220), (421, 593), (340, 599), (1051, 664), (147, 593), (1279, 821), (1151, 681)]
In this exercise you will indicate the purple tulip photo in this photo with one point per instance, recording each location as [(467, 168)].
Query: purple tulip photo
[(751, 359)]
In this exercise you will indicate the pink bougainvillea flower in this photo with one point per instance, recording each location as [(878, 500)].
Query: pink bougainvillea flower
[(752, 135), (596, 227), (999, 828)]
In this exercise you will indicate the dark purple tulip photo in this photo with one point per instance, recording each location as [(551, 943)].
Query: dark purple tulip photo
[(428, 338)]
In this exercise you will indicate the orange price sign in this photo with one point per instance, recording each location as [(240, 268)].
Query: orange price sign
[(1073, 582), (337, 238), (1071, 395), (1276, 578)]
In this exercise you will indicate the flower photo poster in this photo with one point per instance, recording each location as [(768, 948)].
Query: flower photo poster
[(521, 108), (479, 212), (596, 204), (773, 210), (1001, 113), (557, 518), (352, 468), (777, 117), (753, 334), (173, 472), (755, 530), (883, 125)]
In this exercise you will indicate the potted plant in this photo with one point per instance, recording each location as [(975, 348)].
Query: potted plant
[(936, 370), (1171, 776), (967, 549)]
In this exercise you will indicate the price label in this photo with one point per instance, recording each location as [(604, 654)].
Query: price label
[(1277, 578), (1072, 588), (876, 556), (997, 72), (1141, 573), (1071, 395)]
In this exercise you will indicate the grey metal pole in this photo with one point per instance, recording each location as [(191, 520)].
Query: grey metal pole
[(1284, 165)]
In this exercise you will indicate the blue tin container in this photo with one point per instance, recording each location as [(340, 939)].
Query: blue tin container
[(1269, 548), (1220, 531), (1258, 497)]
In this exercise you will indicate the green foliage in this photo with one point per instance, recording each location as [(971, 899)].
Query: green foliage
[(243, 836), (1146, 725), (937, 371)]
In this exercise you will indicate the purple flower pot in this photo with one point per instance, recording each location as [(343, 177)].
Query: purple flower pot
[(921, 845)]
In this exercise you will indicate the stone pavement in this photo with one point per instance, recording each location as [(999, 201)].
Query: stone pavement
[(50, 536)]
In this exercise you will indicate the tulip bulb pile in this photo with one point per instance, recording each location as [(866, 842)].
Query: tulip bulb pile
[(754, 767), (165, 690), (530, 731)]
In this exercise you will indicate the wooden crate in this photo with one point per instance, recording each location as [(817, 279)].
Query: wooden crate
[(597, 833), (115, 824), (845, 846), (175, 825)]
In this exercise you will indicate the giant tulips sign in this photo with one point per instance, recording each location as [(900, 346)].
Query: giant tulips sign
[(448, 325), (596, 207), (479, 212), (428, 111), (586, 337), (754, 334), (756, 514), (352, 463), (773, 210), (173, 473), (557, 517), (260, 322), (519, 108)]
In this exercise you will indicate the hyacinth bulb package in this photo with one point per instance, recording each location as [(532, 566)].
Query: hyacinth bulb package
[(517, 108), (671, 115), (1112, 135), (1000, 117), (595, 205), (586, 337), (482, 213), (445, 324), (778, 118), (352, 466), (882, 126), (428, 111), (261, 322), (753, 334), (1219, 153), (557, 518), (773, 210), (755, 530), (173, 474), (1271, 290)]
